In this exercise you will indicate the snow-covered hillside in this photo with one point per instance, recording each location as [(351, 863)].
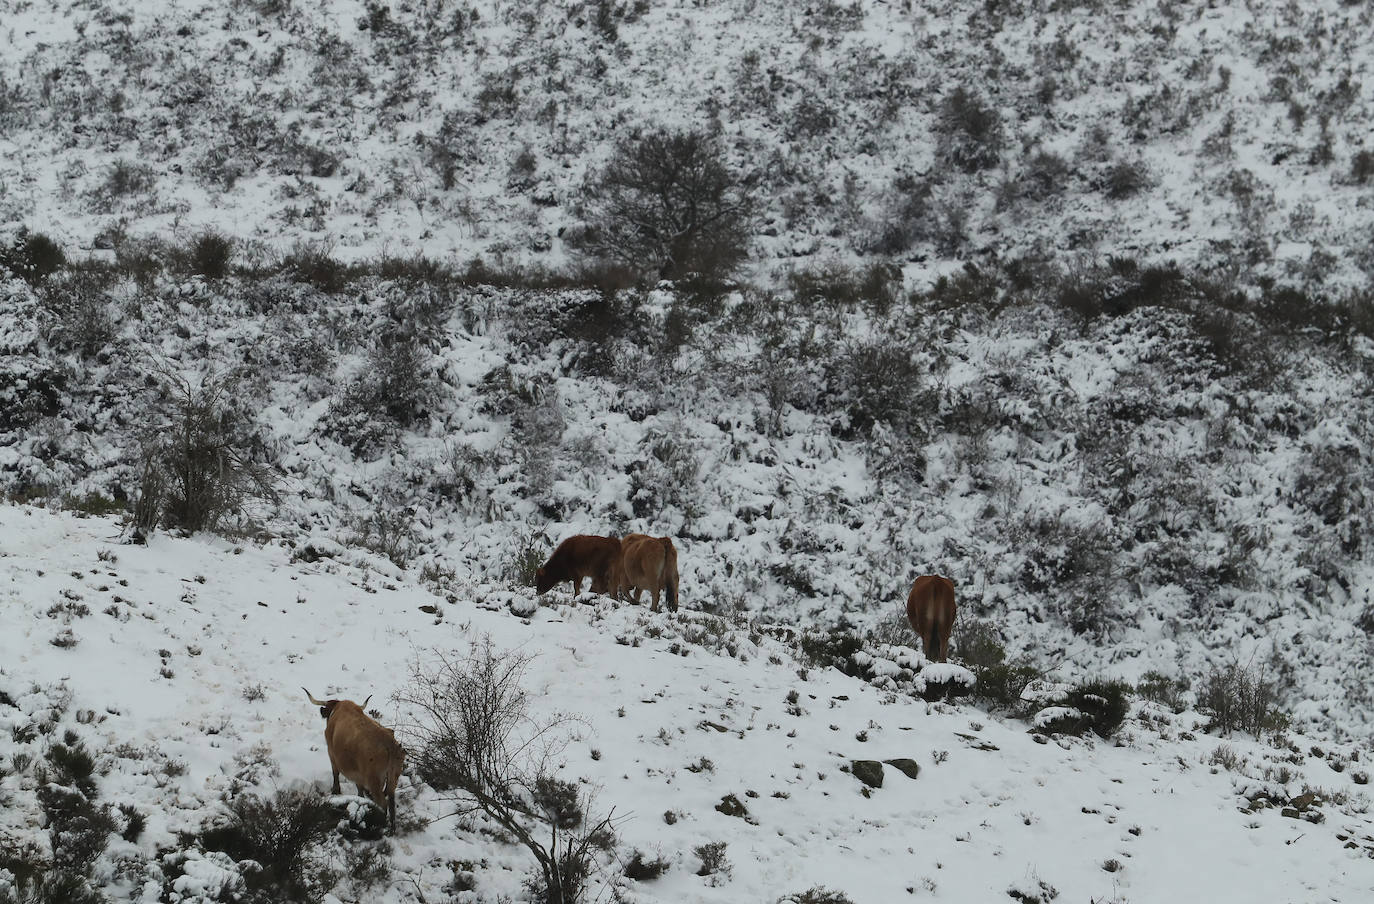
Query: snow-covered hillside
[(1122, 472), (178, 665), (1215, 133)]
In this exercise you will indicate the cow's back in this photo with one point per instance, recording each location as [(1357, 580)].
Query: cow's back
[(362, 748), (583, 555), (643, 557)]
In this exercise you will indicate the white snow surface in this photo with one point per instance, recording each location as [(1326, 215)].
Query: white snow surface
[(177, 630)]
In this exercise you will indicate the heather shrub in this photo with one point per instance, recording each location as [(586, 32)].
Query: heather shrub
[(1362, 167), (905, 220), (883, 384), (970, 131), (315, 266), (79, 315), (713, 859), (1125, 179), (1045, 175), (79, 830), (281, 835), (32, 257), (666, 473), (1101, 705), (642, 869), (208, 255), (835, 288), (1164, 690), (816, 895)]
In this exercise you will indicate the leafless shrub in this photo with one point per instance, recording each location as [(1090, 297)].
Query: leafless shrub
[(473, 739), (1244, 697)]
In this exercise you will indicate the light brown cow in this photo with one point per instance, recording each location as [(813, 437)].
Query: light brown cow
[(578, 557), (930, 609), (366, 753), (647, 563)]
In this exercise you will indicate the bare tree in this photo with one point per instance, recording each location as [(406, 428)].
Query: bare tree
[(668, 202), (474, 741)]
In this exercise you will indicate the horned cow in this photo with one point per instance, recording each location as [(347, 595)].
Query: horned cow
[(363, 751), (580, 556), (930, 609), (647, 563)]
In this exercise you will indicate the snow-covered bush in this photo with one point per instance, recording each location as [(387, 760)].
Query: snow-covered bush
[(666, 474), (79, 830), (391, 392), (1096, 706), (643, 869), (32, 257), (884, 384), (204, 455), (79, 315), (281, 835), (816, 895), (971, 135)]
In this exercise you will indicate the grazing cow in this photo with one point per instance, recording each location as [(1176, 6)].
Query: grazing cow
[(366, 753), (647, 563), (578, 557), (930, 609)]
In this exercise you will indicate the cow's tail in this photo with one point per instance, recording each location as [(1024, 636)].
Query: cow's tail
[(933, 644), (670, 572)]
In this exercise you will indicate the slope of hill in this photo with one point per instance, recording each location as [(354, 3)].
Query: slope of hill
[(1122, 478), (182, 661), (1226, 135)]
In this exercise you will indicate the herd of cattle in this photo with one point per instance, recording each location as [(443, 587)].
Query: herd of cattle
[(368, 754)]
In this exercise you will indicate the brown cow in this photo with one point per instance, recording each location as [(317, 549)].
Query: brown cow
[(366, 753), (647, 563), (930, 609), (578, 557)]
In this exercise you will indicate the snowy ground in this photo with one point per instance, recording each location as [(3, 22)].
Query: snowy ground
[(178, 630)]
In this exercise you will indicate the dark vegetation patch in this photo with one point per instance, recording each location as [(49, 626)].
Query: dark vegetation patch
[(1102, 707), (279, 834)]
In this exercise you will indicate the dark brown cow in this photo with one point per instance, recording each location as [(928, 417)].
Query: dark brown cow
[(578, 557), (647, 563), (366, 753), (930, 609)]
